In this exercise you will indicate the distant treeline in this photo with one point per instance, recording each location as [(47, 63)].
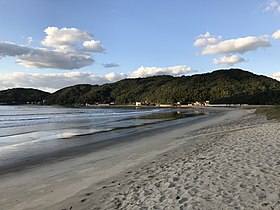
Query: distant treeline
[(23, 96), (232, 86)]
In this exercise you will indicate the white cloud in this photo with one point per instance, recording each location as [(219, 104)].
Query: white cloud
[(228, 60), (42, 58), (64, 39), (112, 76), (48, 82), (276, 75), (151, 71), (276, 34), (110, 65), (93, 46), (272, 5), (71, 50), (11, 49), (239, 45), (53, 82), (206, 39)]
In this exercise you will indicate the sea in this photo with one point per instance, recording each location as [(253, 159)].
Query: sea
[(30, 130), (26, 123)]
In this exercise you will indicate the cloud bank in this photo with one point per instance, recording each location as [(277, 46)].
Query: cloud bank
[(276, 34), (113, 77), (214, 45), (42, 58), (276, 75), (240, 45), (53, 82), (65, 48), (48, 82), (11, 49), (228, 60), (151, 71)]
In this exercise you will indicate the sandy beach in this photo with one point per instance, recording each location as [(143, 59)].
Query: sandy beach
[(228, 160)]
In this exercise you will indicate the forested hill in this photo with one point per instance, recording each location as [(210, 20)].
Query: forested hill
[(222, 86), (22, 96)]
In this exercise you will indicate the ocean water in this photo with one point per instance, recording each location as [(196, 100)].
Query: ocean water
[(30, 132), (20, 124)]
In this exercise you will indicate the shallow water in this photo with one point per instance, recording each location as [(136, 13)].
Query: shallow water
[(33, 133), (19, 124)]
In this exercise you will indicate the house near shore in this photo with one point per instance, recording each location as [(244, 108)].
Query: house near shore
[(137, 103), (103, 105), (165, 105), (206, 103), (198, 103), (97, 104)]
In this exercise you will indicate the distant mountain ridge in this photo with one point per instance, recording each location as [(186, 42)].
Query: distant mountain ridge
[(23, 96), (221, 86)]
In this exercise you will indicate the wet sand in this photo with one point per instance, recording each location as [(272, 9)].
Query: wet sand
[(228, 160)]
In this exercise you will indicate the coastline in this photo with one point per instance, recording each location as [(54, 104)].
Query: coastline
[(32, 153), (77, 180)]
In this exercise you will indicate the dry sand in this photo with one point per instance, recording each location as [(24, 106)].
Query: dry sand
[(228, 162)]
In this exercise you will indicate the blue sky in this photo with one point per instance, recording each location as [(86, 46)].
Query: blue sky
[(52, 44)]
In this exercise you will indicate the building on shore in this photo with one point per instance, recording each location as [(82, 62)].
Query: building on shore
[(137, 103), (165, 105)]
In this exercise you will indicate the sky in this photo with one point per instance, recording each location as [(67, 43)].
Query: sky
[(51, 44)]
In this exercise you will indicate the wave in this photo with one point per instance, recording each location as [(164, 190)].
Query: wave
[(36, 117)]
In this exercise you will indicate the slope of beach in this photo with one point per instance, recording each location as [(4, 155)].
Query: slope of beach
[(237, 168), (229, 160)]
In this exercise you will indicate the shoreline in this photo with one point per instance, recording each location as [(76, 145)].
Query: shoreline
[(60, 183), (61, 149)]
